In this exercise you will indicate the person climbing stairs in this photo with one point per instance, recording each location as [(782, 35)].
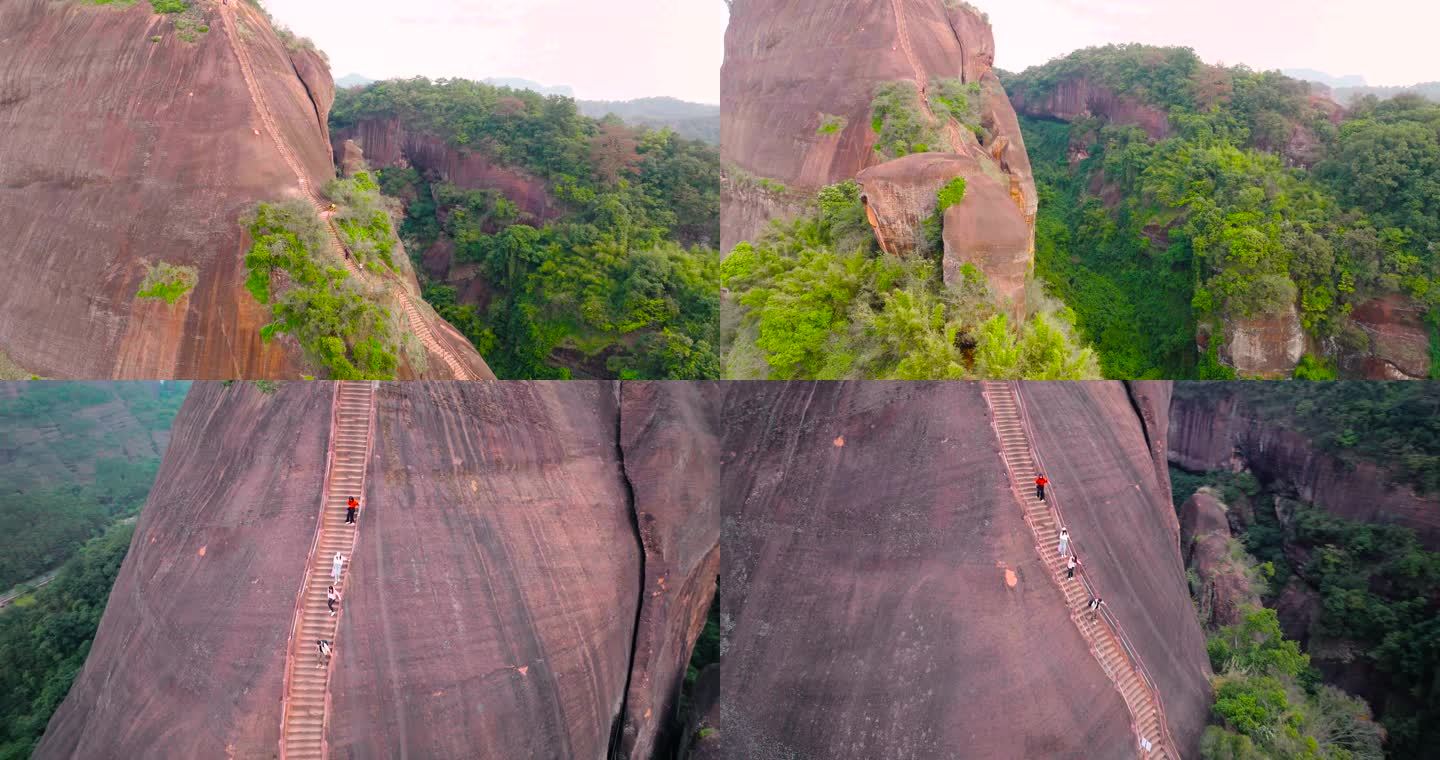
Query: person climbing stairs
[(1100, 630), (304, 709)]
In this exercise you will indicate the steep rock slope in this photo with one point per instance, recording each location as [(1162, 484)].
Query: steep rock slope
[(790, 67), (1221, 432), (492, 597), (883, 596), (122, 144)]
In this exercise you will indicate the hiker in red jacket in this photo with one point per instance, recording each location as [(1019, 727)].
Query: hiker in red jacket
[(351, 507), (1040, 483)]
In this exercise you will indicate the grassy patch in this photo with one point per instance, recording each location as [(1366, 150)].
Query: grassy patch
[(897, 117), (952, 193), (311, 297), (831, 124), (169, 6), (363, 219), (951, 98), (167, 281)]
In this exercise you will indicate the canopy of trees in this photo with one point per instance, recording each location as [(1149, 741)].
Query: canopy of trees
[(623, 284), (1149, 239)]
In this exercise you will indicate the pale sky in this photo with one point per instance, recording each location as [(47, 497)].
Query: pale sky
[(604, 49), (1389, 42)]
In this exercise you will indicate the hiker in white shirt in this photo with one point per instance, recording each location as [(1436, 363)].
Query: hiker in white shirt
[(337, 566), (1064, 542)]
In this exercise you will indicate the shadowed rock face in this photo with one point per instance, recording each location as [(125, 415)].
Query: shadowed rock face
[(1221, 433), (495, 587), (389, 143), (789, 65), (115, 151), (883, 596), (1078, 97)]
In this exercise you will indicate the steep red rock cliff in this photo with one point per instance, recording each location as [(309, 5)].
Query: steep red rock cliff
[(789, 67), (1078, 97), (493, 595), (1219, 432), (883, 596), (122, 144)]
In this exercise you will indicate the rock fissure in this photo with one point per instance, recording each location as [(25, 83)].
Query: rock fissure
[(617, 727)]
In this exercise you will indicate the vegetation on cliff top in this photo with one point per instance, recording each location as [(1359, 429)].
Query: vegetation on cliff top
[(816, 299), (311, 296), (1221, 221), (623, 283)]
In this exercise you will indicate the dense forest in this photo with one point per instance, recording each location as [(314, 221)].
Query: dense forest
[(817, 299), (1375, 586), (80, 461), (80, 456), (622, 282), (1255, 201)]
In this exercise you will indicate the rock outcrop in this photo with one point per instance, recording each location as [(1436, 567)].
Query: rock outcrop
[(792, 68), (1218, 431), (506, 553), (1080, 98), (390, 143), (1399, 340), (125, 141), (1264, 347), (882, 595), (1223, 590)]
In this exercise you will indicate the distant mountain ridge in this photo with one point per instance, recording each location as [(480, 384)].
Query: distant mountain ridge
[(1347, 88), (695, 121)]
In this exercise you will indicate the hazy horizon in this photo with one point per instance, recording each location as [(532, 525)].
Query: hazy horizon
[(1332, 36), (621, 50)]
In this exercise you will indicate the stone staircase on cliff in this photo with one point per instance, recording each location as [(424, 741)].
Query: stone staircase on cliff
[(413, 317), (304, 711), (1102, 632)]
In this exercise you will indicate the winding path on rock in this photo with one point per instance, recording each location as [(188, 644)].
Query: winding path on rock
[(922, 81), (305, 709), (412, 313), (1102, 632)]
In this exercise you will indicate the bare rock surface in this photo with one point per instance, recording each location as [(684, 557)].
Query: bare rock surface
[(1399, 339), (1224, 589), (492, 599), (1267, 346), (882, 595)]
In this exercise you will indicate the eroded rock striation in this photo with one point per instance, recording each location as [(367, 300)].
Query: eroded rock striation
[(882, 595), (512, 538)]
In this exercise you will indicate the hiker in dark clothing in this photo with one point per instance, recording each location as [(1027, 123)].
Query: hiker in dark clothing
[(1040, 483), (1094, 605), (1070, 566), (351, 507), (331, 597), (324, 647)]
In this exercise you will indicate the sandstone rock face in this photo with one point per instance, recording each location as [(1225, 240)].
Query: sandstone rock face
[(1222, 434), (1151, 400), (1399, 339), (883, 597), (1078, 98), (1224, 590), (494, 592), (389, 143), (117, 151), (1268, 346), (790, 65)]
